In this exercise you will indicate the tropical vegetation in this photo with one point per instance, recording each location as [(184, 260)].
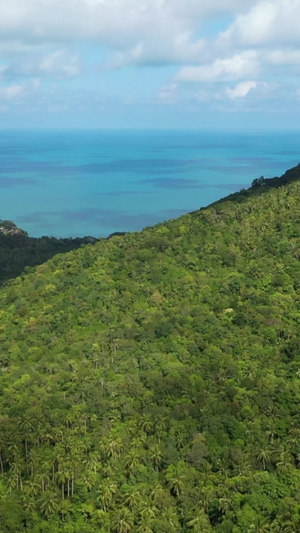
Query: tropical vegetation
[(150, 383)]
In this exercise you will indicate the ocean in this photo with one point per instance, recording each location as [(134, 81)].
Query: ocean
[(78, 183)]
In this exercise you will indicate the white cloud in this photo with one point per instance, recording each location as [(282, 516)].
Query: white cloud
[(238, 44), (167, 29), (147, 32), (266, 22), (259, 89), (241, 90), (236, 67), (10, 92), (168, 94), (61, 64), (19, 91), (202, 96), (3, 69), (283, 57), (73, 19), (178, 49)]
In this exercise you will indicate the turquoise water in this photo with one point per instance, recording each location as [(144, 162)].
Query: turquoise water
[(97, 182)]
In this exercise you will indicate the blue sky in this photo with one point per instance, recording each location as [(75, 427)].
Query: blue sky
[(230, 64)]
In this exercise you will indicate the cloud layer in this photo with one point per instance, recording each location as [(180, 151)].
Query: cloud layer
[(83, 55)]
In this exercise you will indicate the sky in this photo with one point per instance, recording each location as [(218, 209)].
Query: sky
[(170, 64)]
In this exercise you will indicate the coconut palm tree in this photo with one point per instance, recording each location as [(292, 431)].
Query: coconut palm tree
[(106, 492), (160, 426), (133, 460), (263, 455), (156, 455), (171, 517), (156, 492), (146, 424), (175, 479), (294, 438), (286, 460), (132, 496), (122, 520), (148, 510), (112, 447), (290, 526), (145, 526), (48, 503), (200, 522), (206, 499), (261, 525), (43, 478), (32, 487), (62, 476), (224, 504)]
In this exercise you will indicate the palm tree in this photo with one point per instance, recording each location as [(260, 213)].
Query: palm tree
[(294, 438), (29, 508), (28, 503), (92, 462), (223, 471), (271, 432), (146, 424), (26, 429), (285, 464), (180, 439), (200, 522), (171, 516), (224, 504), (156, 492), (48, 503), (32, 487), (122, 520), (145, 526), (263, 456), (140, 441), (133, 460), (156, 455), (132, 496), (244, 466), (33, 459), (148, 510), (62, 477), (2, 448), (16, 467), (112, 447), (206, 499), (175, 479), (106, 492), (261, 525), (290, 526), (12, 481), (283, 467), (43, 479), (160, 425), (89, 478), (65, 508)]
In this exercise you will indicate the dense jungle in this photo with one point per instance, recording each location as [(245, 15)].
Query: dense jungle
[(150, 383)]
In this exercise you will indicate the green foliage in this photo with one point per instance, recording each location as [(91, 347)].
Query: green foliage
[(150, 382), (18, 251)]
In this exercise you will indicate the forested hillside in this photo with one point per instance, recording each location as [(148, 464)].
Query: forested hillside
[(150, 383), (18, 250)]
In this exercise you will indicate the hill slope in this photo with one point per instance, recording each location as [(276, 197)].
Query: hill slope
[(18, 250), (150, 383)]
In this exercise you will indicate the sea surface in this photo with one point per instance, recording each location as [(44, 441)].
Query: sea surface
[(77, 183)]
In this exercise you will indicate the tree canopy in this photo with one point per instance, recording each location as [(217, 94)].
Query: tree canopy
[(150, 382)]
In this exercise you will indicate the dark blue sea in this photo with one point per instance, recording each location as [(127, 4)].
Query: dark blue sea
[(77, 183)]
